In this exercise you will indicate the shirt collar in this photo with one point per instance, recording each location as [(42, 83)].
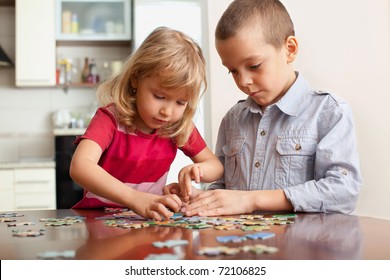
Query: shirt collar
[(291, 103)]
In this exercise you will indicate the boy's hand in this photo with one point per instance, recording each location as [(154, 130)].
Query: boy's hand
[(156, 207), (188, 174), (220, 202)]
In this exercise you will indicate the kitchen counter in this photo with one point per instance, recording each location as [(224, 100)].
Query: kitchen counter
[(28, 163), (68, 131)]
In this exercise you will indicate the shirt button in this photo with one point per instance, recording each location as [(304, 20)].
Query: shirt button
[(298, 147), (257, 164), (344, 172), (262, 133)]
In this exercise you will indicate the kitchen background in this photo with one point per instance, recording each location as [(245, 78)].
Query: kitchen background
[(344, 47)]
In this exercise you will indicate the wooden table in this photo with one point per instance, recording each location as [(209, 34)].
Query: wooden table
[(312, 236)]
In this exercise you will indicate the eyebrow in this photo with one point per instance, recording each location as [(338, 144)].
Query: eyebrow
[(249, 58)]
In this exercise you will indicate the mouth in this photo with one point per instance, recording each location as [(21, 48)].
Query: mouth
[(253, 93), (160, 121)]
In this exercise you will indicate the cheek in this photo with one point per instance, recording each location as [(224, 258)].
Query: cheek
[(179, 113)]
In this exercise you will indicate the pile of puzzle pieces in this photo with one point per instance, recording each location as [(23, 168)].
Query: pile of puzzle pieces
[(128, 219), (123, 218)]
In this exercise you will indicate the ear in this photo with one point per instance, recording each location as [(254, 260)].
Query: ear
[(291, 48)]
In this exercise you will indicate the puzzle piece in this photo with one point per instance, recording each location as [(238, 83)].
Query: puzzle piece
[(20, 224), (230, 238), (115, 209), (259, 249), (124, 224), (53, 255), (260, 235), (7, 220), (214, 251), (255, 228), (162, 257), (28, 233), (287, 216), (10, 215), (170, 243)]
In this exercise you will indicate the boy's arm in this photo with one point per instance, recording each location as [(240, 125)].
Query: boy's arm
[(232, 202)]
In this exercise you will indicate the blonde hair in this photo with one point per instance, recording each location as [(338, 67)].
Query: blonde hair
[(178, 61), (270, 16)]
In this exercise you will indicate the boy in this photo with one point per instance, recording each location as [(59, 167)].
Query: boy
[(287, 147)]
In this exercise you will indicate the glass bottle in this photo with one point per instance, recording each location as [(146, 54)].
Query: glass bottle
[(85, 72), (93, 77)]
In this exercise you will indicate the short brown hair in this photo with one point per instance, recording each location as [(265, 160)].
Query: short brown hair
[(270, 16)]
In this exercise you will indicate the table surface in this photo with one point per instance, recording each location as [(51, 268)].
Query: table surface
[(311, 236)]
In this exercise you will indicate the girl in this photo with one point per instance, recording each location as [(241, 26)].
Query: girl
[(125, 154)]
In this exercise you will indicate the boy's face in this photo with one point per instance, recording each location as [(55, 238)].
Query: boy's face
[(259, 70)]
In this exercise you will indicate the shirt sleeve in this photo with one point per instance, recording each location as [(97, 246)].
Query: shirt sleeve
[(195, 144), (337, 181), (101, 129)]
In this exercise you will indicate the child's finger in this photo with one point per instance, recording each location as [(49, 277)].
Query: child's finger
[(172, 202)]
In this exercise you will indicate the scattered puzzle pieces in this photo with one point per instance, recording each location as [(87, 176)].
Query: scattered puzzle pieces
[(66, 221)]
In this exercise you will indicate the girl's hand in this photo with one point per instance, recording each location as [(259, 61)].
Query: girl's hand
[(188, 174), (220, 202), (174, 188), (156, 207)]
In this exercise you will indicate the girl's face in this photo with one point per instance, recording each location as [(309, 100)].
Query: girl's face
[(259, 70), (158, 107)]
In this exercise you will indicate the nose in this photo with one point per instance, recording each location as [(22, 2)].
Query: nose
[(244, 80), (166, 110)]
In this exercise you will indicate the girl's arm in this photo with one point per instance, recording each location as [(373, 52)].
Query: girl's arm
[(206, 168), (85, 171)]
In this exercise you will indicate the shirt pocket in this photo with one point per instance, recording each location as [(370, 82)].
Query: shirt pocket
[(294, 160), (233, 151)]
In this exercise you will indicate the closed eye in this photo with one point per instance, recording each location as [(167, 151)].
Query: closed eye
[(182, 103), (158, 96), (255, 66)]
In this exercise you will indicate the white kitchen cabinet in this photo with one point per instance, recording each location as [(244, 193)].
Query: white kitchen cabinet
[(35, 43), (52, 36), (6, 190), (27, 188), (97, 20)]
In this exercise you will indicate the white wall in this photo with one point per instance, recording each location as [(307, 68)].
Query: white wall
[(344, 47)]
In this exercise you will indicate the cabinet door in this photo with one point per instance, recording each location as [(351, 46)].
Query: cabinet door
[(98, 20), (35, 42), (35, 188), (6, 190)]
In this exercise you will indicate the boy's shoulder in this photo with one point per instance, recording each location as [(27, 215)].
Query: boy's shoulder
[(329, 95)]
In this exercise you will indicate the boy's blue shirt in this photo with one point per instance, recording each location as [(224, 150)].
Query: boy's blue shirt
[(304, 144)]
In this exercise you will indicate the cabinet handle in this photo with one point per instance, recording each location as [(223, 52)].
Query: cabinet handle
[(33, 207), (33, 182)]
